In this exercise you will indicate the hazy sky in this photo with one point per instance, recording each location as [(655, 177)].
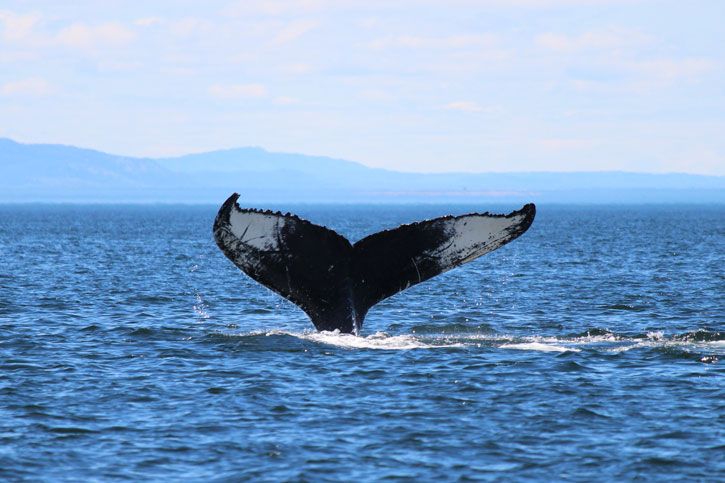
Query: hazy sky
[(454, 85)]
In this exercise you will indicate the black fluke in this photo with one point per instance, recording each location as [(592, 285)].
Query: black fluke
[(336, 282)]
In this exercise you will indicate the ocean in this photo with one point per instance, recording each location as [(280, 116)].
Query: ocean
[(592, 348)]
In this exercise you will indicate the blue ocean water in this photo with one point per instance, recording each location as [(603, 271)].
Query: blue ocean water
[(590, 349)]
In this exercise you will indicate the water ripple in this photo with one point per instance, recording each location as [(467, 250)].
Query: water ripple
[(591, 349)]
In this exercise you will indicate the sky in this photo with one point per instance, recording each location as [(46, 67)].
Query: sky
[(421, 86)]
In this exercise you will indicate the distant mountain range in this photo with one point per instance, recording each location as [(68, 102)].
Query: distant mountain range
[(57, 173)]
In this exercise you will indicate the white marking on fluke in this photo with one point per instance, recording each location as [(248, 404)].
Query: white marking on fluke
[(258, 230), (473, 236)]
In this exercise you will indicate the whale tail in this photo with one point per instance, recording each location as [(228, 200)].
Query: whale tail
[(335, 282)]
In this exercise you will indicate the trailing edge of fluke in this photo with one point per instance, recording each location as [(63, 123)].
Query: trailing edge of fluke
[(335, 282)]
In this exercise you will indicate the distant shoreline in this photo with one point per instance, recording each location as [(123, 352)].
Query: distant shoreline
[(53, 173)]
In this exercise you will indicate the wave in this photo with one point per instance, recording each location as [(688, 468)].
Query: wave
[(700, 341)]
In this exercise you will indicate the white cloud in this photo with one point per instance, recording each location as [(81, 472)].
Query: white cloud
[(451, 42), (31, 87), (18, 56), (30, 31), (84, 36), (612, 59), (296, 7), (146, 21), (118, 66), (17, 27), (469, 106), (237, 91), (568, 144), (671, 69), (611, 38), (584, 85), (645, 74), (377, 95), (538, 4), (188, 26), (382, 43), (178, 71), (369, 22), (295, 30), (179, 64), (278, 7), (458, 41), (286, 101), (466, 106), (295, 68)]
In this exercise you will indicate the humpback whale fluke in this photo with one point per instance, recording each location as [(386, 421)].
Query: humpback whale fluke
[(335, 282)]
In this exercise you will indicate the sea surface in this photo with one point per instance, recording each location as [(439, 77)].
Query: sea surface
[(592, 348)]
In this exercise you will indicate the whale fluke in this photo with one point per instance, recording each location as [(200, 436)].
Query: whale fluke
[(335, 282)]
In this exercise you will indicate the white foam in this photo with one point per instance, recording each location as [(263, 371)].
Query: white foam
[(660, 341), (595, 339), (539, 346), (575, 341), (623, 348), (659, 335), (385, 341), (378, 340)]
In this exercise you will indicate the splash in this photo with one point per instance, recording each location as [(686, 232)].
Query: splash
[(200, 308), (376, 341)]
